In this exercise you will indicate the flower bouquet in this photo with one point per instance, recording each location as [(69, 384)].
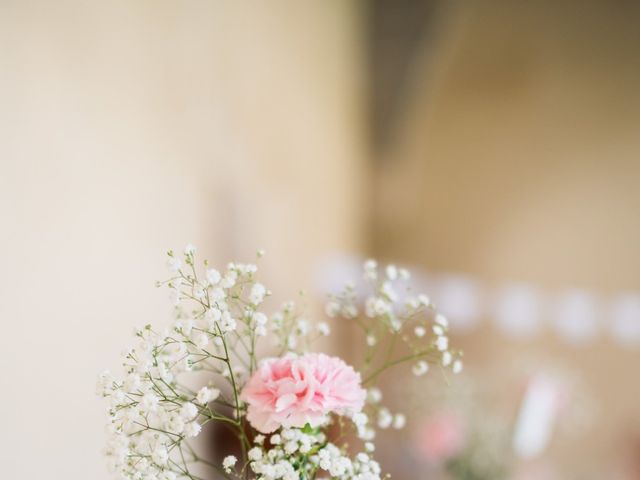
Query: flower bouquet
[(292, 414)]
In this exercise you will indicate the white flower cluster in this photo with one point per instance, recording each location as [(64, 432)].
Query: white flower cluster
[(293, 332), (384, 419), (305, 453), (391, 312), (152, 414)]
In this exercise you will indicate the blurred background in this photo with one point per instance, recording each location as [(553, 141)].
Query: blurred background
[(491, 147)]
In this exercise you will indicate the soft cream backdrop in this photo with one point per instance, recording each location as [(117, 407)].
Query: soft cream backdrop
[(130, 127)]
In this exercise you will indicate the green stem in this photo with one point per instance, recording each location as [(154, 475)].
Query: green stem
[(397, 361)]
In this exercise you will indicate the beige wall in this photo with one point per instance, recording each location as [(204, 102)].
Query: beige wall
[(127, 128)]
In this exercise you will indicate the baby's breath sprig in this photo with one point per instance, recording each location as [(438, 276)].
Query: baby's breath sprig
[(410, 319)]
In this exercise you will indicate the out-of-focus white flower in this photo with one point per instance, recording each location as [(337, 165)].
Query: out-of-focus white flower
[(324, 329), (213, 276), (412, 304), (104, 383), (117, 398), (370, 265), (160, 455), (332, 308), (420, 331), (259, 319), (192, 429), (132, 383), (442, 320), (229, 462), (206, 395), (189, 249), (399, 421), (188, 411), (389, 292), (377, 306), (218, 294), (302, 327), (291, 446), (385, 419), (360, 419), (149, 402), (229, 279), (420, 368), (392, 272), (350, 311), (258, 291), (173, 265), (212, 316), (227, 323), (184, 326), (254, 454), (175, 424), (395, 324), (424, 300), (246, 269), (446, 359), (457, 366), (374, 395), (442, 343)]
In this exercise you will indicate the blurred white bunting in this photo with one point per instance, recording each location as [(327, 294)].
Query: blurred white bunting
[(518, 310)]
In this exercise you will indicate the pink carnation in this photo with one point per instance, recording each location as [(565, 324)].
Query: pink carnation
[(293, 391)]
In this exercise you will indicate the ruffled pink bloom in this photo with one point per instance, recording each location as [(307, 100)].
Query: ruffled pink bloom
[(292, 391), (441, 437)]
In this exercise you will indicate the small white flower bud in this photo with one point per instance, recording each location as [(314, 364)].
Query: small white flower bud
[(228, 463), (420, 368), (457, 366), (192, 429), (206, 395), (442, 343), (188, 411), (258, 291), (213, 276), (254, 454), (420, 331), (446, 359), (399, 421), (442, 320), (324, 329), (392, 272)]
